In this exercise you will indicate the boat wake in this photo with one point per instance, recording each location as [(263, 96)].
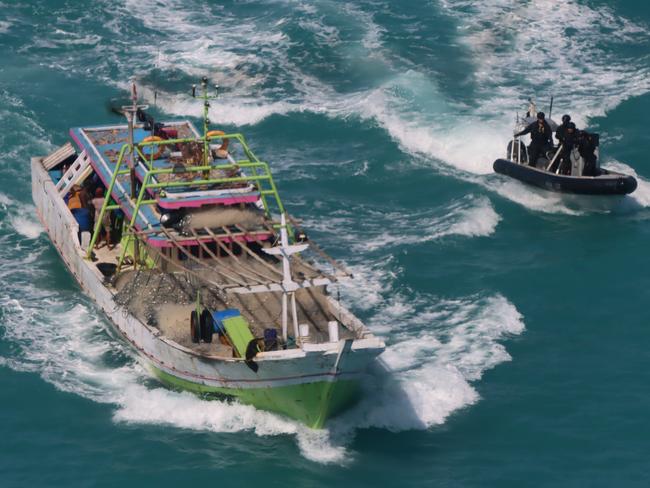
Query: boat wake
[(470, 216), (641, 196), (259, 60)]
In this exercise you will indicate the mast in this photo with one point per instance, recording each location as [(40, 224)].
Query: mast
[(206, 108), (129, 112), (289, 286)]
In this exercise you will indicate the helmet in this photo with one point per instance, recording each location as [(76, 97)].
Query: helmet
[(571, 125), (541, 115), (566, 118)]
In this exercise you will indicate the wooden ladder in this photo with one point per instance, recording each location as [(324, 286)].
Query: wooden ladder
[(78, 171)]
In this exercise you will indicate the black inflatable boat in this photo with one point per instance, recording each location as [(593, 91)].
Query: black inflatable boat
[(580, 173), (605, 183)]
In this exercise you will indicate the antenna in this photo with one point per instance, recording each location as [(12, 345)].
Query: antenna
[(206, 108), (129, 113), (206, 97), (550, 108)]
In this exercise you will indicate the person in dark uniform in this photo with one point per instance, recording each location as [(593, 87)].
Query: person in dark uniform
[(561, 130), (569, 139), (587, 144), (541, 138)]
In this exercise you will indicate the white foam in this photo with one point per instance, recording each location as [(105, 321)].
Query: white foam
[(5, 200), (576, 32), (470, 216), (525, 195), (5, 26), (27, 226), (419, 399), (429, 368), (641, 195), (480, 220), (230, 111), (142, 405)]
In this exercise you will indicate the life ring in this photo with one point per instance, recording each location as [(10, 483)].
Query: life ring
[(158, 152), (222, 152)]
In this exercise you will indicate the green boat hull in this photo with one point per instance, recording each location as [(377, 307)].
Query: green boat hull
[(310, 403)]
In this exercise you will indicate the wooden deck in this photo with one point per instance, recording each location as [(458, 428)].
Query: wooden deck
[(165, 300)]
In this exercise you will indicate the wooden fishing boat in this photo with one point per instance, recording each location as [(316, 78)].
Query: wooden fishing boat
[(206, 276)]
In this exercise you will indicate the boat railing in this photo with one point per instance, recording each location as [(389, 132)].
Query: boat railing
[(512, 150)]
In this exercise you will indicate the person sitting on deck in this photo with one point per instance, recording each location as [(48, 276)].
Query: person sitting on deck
[(74, 199), (541, 138), (79, 210), (105, 229)]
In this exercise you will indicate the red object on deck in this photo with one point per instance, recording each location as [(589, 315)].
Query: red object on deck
[(169, 133)]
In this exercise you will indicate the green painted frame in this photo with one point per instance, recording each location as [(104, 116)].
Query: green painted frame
[(252, 163)]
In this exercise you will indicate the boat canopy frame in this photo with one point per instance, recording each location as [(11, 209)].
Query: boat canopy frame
[(261, 177)]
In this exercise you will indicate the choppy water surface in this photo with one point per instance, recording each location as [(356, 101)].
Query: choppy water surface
[(515, 319)]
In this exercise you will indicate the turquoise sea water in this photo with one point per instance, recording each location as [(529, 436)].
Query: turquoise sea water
[(516, 320)]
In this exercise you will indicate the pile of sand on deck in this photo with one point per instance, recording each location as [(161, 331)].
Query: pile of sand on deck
[(145, 292)]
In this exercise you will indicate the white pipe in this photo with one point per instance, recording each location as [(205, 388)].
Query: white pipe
[(284, 317), (295, 315), (554, 158)]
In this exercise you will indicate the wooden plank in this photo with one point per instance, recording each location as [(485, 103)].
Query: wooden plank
[(319, 251), (250, 252), (195, 259), (236, 259), (61, 154)]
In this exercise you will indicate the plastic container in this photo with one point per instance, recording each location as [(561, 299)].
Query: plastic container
[(303, 330), (85, 240), (333, 329)]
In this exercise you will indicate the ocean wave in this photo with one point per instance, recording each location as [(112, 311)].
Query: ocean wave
[(641, 196), (471, 216), (535, 199), (437, 348), (27, 226), (578, 66), (5, 200)]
